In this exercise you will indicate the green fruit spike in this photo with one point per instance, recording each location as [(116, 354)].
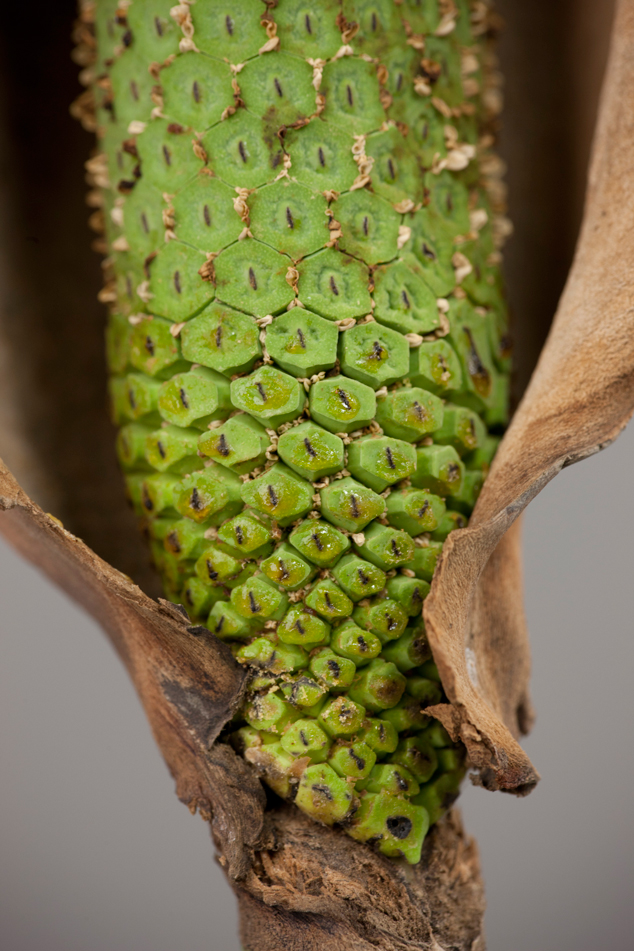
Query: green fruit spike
[(407, 715), (252, 276), (378, 686), (374, 355), (286, 567), (385, 618), (415, 510), (386, 547), (409, 413), (302, 343), (204, 215), (319, 542), (194, 398), (153, 349), (396, 825), (321, 156), (391, 780), (381, 461), (259, 600), (196, 90), (212, 494), (334, 285), (342, 717), (404, 301), (277, 659), (279, 493), (427, 691), (324, 795), (408, 592), (270, 713), (217, 566), (247, 534), (173, 448), (334, 672), (311, 451), (351, 89), (369, 226), (290, 217), (356, 644), (439, 469), (341, 405), (239, 444), (435, 366), (350, 505), (306, 738), (461, 428), (448, 523), (417, 755), (223, 339), (167, 155), (304, 692), (379, 735), (227, 624), (178, 291), (351, 759), (425, 558), (329, 601), (409, 651), (269, 395), (358, 578)]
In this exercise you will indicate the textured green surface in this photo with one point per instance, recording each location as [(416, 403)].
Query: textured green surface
[(308, 352)]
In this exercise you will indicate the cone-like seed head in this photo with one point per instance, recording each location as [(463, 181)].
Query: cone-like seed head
[(310, 361)]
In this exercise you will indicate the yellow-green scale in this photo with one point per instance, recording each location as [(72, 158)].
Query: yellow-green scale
[(309, 362)]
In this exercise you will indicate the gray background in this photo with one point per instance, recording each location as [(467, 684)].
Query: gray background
[(97, 853)]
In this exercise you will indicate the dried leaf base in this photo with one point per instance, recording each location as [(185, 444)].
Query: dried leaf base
[(360, 901)]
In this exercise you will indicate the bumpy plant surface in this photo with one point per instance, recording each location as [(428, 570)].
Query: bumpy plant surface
[(307, 341)]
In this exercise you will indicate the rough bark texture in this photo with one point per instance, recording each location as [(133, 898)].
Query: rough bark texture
[(335, 893)]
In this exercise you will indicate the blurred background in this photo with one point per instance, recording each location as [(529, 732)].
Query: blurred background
[(97, 853)]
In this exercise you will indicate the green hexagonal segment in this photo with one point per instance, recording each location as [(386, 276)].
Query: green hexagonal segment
[(369, 226), (280, 493), (334, 285), (373, 354), (319, 542), (311, 451), (268, 395), (409, 413), (380, 461), (302, 343), (350, 505), (239, 444), (252, 276), (223, 339)]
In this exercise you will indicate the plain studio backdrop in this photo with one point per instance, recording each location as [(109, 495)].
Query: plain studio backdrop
[(97, 853)]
